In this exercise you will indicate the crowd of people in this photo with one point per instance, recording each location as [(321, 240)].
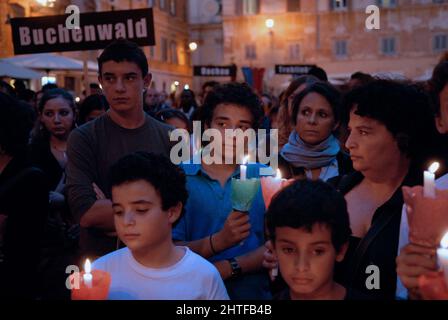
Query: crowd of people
[(95, 180)]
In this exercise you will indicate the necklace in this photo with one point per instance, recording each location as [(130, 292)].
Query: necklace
[(64, 152)]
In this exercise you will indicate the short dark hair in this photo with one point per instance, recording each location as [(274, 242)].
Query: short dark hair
[(306, 203), (49, 86), (362, 77), (16, 122), (170, 113), (437, 83), (167, 179), (94, 85), (325, 89), (91, 103), (240, 94), (403, 108), (319, 73), (210, 83), (123, 50)]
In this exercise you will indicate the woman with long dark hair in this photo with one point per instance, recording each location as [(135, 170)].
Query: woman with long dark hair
[(313, 150), (48, 152), (285, 120)]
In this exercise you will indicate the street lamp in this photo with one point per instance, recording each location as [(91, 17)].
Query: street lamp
[(193, 46), (270, 23)]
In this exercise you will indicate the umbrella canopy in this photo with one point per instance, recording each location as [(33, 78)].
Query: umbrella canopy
[(49, 61), (13, 71)]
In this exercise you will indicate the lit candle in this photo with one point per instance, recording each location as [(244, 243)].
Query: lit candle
[(243, 168), (429, 185), (87, 276), (442, 256)]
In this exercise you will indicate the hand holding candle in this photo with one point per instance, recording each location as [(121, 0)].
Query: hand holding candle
[(442, 257), (432, 286), (244, 190), (428, 217)]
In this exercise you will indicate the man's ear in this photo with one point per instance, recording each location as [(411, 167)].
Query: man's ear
[(440, 125), (174, 212), (147, 80), (100, 79), (342, 251)]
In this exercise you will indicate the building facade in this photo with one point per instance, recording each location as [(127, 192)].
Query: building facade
[(169, 59), (332, 34)]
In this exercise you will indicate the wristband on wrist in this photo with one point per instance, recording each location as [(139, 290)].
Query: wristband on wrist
[(236, 269)]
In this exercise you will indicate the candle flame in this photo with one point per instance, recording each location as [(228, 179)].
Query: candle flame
[(87, 266), (434, 167), (279, 174), (444, 242)]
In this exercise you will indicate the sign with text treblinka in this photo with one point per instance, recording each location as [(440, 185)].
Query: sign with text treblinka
[(96, 30), (293, 68), (214, 71)]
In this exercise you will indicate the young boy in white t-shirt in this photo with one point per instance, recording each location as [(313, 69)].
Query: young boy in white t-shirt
[(148, 195)]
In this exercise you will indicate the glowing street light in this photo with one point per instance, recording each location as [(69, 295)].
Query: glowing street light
[(270, 23), (46, 3), (193, 46)]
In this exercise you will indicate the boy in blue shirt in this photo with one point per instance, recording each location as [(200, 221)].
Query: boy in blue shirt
[(232, 240)]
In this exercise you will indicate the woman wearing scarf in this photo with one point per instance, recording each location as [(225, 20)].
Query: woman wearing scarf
[(312, 150)]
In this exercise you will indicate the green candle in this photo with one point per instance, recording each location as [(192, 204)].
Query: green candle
[(243, 193)]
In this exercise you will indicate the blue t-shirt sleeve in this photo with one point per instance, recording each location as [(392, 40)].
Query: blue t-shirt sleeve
[(180, 229)]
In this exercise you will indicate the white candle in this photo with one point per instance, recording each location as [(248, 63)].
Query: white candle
[(429, 185), (442, 256), (87, 277), (243, 169)]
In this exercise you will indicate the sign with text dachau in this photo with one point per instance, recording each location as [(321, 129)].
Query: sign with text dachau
[(96, 30)]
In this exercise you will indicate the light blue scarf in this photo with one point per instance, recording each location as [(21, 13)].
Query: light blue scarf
[(300, 154)]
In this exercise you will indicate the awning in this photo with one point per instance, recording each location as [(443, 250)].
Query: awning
[(50, 61), (14, 71)]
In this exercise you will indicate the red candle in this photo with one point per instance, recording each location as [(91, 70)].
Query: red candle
[(271, 185), (92, 285)]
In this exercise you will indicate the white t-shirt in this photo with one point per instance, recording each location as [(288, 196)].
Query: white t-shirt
[(191, 278), (402, 292)]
